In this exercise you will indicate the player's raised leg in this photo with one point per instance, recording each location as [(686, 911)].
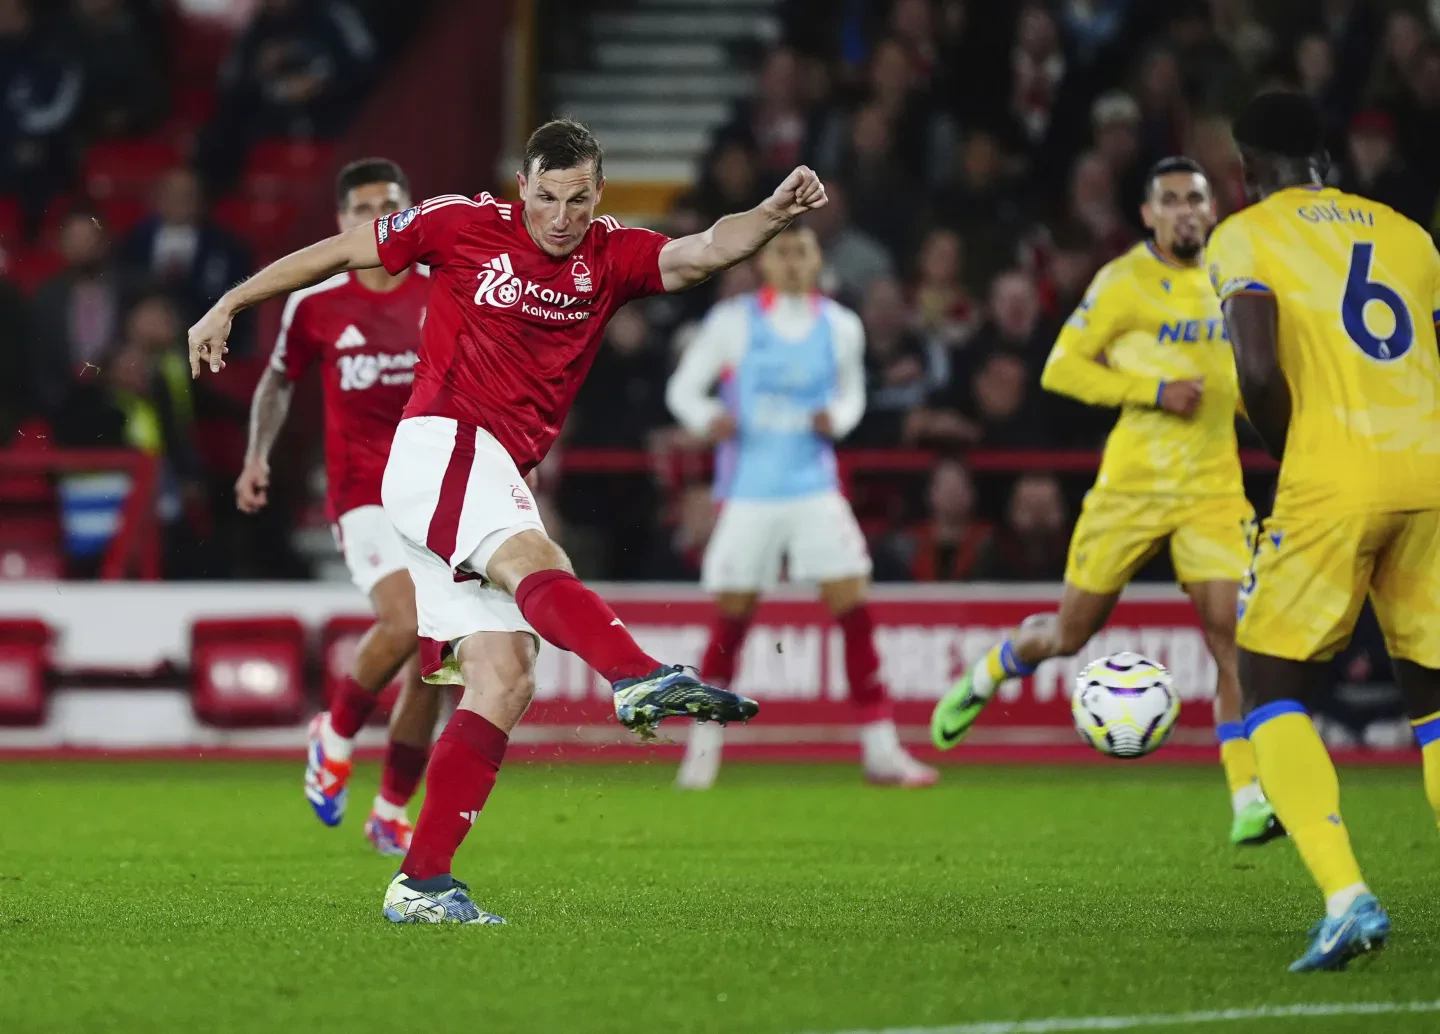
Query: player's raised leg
[(412, 727), (1039, 638), (498, 669), (382, 651), (886, 762), (567, 614), (1254, 820), (728, 630)]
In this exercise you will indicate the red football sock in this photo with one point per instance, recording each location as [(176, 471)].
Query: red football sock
[(462, 773), (350, 708), (568, 615), (862, 665), (404, 765), (727, 636)]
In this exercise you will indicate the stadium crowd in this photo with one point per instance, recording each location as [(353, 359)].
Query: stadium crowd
[(983, 161)]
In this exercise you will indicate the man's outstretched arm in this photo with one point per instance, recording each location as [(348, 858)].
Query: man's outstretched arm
[(687, 261), (353, 249), (1252, 320)]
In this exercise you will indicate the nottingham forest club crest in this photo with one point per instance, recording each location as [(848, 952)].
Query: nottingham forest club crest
[(581, 272)]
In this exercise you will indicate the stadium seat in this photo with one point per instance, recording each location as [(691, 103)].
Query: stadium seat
[(24, 670), (259, 223), (11, 223), (247, 671), (30, 269), (339, 639), (122, 214), (284, 170), (127, 168)]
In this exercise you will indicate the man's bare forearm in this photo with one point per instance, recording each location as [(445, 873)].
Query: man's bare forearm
[(268, 410), (302, 268), (732, 240)]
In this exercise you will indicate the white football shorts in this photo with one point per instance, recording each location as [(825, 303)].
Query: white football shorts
[(369, 544), (455, 496), (817, 534)]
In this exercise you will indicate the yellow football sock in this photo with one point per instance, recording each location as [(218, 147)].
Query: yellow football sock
[(1237, 756), (1427, 732), (998, 665), (1300, 780)]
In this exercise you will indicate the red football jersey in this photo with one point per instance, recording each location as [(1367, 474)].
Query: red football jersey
[(512, 331), (369, 342)]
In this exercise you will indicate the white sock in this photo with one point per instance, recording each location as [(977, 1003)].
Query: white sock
[(879, 740), (981, 684), (1247, 795), (387, 811), (1339, 902), (335, 745)]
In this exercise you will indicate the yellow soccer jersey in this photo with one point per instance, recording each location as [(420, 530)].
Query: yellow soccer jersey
[(1357, 286), (1152, 321)]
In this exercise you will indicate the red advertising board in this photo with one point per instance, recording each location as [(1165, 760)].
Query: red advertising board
[(793, 664)]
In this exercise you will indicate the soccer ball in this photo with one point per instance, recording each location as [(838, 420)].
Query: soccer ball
[(1125, 705)]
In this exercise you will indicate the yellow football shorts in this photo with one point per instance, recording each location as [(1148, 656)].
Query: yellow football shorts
[(1309, 578), (1210, 538)]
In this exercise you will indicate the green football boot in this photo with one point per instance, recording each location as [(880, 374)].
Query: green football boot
[(1255, 824), (955, 713)]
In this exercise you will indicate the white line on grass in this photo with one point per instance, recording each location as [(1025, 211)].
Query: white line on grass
[(1063, 1025)]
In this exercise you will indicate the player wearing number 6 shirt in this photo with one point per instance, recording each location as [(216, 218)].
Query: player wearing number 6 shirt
[(363, 329), (519, 300), (790, 368), (1331, 301)]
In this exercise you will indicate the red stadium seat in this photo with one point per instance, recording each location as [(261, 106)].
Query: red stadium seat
[(10, 222), (261, 224), (284, 170), (247, 671), (339, 640), (127, 168), (30, 269), (122, 214), (24, 668)]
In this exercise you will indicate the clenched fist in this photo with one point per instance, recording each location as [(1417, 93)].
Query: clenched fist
[(801, 192)]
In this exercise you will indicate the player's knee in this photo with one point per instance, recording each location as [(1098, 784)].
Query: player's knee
[(401, 632)]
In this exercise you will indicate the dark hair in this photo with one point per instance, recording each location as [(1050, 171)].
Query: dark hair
[(562, 143), (368, 170), (1167, 166), (1283, 124)]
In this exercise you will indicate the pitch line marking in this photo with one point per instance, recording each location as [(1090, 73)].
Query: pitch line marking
[(1065, 1025)]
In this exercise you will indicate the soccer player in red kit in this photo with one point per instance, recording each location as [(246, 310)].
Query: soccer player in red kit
[(520, 298), (363, 327)]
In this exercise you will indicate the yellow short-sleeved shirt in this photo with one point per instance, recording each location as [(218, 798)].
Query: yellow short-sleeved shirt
[(1357, 510), (1145, 321), (1357, 285)]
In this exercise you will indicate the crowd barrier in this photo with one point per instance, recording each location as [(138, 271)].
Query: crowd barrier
[(238, 668)]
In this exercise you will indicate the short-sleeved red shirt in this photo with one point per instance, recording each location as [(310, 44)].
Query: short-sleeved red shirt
[(512, 331), (368, 343)]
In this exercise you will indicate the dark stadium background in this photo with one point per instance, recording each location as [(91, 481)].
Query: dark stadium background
[(984, 159)]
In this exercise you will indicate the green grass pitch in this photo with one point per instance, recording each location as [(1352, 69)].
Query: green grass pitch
[(203, 896)]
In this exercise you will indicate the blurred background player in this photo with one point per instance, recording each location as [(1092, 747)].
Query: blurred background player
[(363, 327), (790, 367), (521, 296), (1331, 301), (1149, 338)]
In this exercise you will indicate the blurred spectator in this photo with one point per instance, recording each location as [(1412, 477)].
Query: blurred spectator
[(1315, 72), (1245, 37), (1092, 25), (1163, 108), (948, 544), (297, 70), (774, 121), (1037, 72), (1210, 75), (729, 182), (1404, 35), (853, 259), (984, 207), (1376, 171), (912, 26), (141, 400), (123, 91), (623, 398), (1418, 112), (77, 312), (14, 359), (1211, 145), (179, 247), (1093, 205), (42, 86), (898, 365), (1014, 321), (1115, 125), (941, 304), (1005, 403), (1031, 545), (882, 190), (1070, 264)]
